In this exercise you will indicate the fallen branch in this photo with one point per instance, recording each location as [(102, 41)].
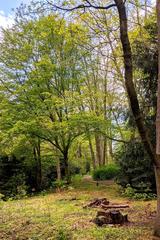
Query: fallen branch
[(97, 203)]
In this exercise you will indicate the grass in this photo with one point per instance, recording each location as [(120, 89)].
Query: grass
[(61, 216)]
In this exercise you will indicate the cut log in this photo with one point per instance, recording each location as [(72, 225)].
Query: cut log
[(105, 204), (114, 206), (98, 202)]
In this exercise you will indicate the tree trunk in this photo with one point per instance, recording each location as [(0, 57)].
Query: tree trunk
[(110, 150), (157, 167), (59, 177), (66, 166), (146, 9), (37, 157), (134, 100), (99, 152), (39, 172), (79, 151), (92, 152), (105, 157), (157, 221)]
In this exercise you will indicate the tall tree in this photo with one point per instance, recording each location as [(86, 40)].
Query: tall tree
[(130, 88)]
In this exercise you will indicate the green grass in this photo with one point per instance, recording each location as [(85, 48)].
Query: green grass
[(59, 216)]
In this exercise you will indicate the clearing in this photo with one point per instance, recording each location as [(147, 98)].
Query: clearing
[(60, 215)]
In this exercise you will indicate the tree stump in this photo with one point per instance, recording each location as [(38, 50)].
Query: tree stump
[(110, 217)]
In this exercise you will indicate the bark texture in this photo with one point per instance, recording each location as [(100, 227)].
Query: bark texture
[(157, 167)]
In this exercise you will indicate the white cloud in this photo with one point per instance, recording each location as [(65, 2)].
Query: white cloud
[(153, 2), (6, 20)]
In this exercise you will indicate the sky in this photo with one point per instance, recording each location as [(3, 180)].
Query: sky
[(6, 14), (7, 5)]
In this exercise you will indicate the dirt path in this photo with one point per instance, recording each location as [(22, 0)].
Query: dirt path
[(88, 178)]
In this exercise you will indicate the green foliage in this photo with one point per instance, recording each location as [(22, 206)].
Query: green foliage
[(15, 187), (60, 184), (74, 169), (135, 164), (13, 179), (59, 90), (76, 179), (88, 167), (146, 72), (135, 167), (63, 234), (132, 193), (21, 191), (2, 196), (106, 172)]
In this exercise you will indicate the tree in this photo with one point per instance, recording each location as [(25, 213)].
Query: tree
[(31, 87), (130, 88), (42, 75)]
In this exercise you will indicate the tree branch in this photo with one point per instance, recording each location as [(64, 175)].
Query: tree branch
[(82, 6)]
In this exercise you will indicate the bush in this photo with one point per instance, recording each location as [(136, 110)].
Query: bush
[(131, 193), (74, 169), (106, 172), (15, 187), (76, 178), (59, 184), (136, 167), (1, 196), (21, 191)]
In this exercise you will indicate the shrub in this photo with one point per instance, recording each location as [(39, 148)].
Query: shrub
[(76, 178), (74, 169), (1, 196), (21, 191), (15, 187), (106, 172), (131, 193), (59, 184), (136, 167)]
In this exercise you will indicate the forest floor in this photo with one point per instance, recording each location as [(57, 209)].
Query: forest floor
[(61, 216)]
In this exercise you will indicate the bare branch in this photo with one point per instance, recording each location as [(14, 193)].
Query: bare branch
[(81, 6)]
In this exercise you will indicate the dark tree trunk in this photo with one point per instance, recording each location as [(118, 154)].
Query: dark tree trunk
[(66, 166), (157, 167), (134, 102), (157, 221), (110, 150), (37, 157)]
